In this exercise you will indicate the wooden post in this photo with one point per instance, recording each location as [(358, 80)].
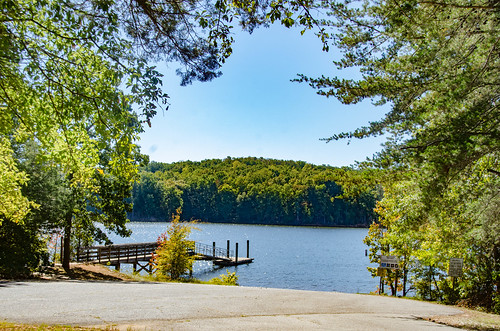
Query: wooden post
[(248, 249), (213, 249), (62, 250), (430, 282), (236, 254), (55, 252), (228, 249), (78, 251), (396, 282)]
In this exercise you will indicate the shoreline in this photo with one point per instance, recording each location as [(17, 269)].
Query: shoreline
[(357, 226)]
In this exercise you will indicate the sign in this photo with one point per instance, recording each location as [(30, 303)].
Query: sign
[(381, 272), (455, 268), (389, 262)]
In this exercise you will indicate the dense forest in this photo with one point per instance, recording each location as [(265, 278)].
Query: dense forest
[(251, 191)]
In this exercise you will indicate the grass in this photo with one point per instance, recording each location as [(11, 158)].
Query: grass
[(229, 280)]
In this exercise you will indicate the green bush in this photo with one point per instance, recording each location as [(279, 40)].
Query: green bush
[(173, 257), (229, 279), (20, 250)]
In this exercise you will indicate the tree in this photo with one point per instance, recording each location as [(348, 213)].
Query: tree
[(13, 205), (155, 198), (437, 64), (63, 69), (174, 256)]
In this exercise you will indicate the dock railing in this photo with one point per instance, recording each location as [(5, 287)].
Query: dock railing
[(130, 253), (122, 253), (212, 251)]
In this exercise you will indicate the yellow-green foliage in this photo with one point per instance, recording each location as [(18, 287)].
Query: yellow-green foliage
[(229, 279), (173, 257), (13, 205)]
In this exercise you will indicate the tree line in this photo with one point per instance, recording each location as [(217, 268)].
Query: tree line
[(252, 191)]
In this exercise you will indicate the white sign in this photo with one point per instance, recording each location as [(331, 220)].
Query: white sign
[(389, 262), (455, 268)]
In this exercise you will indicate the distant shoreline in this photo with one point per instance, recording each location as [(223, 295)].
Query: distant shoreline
[(355, 226)]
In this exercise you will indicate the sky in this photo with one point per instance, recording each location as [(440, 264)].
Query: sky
[(254, 109)]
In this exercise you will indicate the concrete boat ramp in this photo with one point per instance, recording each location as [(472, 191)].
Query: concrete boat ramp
[(172, 306)]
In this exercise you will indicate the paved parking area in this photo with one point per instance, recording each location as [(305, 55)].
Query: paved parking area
[(171, 306)]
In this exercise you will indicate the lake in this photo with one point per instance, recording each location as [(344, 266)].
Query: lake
[(290, 257)]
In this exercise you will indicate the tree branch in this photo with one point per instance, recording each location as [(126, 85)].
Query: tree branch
[(454, 5), (493, 172)]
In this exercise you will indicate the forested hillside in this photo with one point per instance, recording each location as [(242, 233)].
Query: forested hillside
[(252, 191)]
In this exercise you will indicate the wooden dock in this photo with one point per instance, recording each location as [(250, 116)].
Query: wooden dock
[(232, 261), (140, 255)]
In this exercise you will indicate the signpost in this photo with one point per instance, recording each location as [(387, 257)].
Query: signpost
[(455, 268), (389, 262)]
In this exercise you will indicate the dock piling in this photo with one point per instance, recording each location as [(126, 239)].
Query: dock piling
[(236, 254)]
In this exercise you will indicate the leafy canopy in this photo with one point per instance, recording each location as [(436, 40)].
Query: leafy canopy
[(75, 90)]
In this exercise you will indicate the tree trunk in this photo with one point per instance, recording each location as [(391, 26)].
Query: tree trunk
[(67, 242), (405, 276), (405, 279)]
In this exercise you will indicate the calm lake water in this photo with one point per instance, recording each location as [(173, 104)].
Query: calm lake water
[(318, 259)]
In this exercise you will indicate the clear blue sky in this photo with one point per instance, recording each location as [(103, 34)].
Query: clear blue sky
[(254, 110)]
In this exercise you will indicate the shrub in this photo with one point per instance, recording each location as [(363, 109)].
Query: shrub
[(21, 250), (174, 255), (229, 279)]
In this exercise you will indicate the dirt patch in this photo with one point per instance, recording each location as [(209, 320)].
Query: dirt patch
[(82, 271), (470, 320)]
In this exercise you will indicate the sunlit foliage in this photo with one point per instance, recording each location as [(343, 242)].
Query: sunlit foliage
[(174, 256), (256, 191)]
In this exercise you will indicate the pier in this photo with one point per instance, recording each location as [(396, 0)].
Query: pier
[(140, 255)]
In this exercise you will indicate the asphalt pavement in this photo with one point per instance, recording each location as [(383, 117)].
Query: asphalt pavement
[(172, 306)]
